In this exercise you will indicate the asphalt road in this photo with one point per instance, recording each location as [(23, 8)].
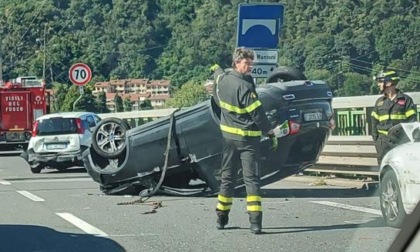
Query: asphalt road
[(65, 211)]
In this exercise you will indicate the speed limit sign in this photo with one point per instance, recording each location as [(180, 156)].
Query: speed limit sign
[(80, 74)]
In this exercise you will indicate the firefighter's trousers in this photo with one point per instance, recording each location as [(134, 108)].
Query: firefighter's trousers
[(240, 155), (383, 144)]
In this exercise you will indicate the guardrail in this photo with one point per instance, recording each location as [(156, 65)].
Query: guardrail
[(350, 150), (348, 155)]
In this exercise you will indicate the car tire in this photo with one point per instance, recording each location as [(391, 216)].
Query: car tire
[(36, 170), (108, 138), (285, 73), (391, 201)]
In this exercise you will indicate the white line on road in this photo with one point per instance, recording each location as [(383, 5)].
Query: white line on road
[(30, 196), (349, 207), (4, 182), (58, 180), (86, 227)]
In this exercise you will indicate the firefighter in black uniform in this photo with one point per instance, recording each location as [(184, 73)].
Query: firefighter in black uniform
[(392, 108), (243, 122)]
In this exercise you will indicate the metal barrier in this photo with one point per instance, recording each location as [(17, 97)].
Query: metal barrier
[(348, 155)]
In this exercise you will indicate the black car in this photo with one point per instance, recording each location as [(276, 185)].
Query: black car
[(181, 154)]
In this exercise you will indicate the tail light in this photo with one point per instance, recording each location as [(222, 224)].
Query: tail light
[(34, 128), (294, 127), (79, 125)]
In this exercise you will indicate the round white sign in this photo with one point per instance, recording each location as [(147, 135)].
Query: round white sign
[(80, 74)]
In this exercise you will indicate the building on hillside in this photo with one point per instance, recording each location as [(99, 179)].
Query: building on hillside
[(137, 90)]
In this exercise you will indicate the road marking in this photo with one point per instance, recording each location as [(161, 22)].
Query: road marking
[(4, 182), (30, 196), (86, 227), (53, 180), (349, 207)]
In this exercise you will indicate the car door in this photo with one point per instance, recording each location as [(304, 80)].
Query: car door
[(89, 125)]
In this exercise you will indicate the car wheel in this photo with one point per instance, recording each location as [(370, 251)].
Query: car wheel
[(284, 73), (391, 202), (36, 170), (108, 138)]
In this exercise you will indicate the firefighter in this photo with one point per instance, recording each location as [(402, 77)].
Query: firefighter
[(243, 122), (392, 108)]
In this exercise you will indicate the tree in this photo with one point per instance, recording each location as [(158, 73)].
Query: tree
[(119, 106), (101, 103), (190, 94), (146, 105), (128, 105)]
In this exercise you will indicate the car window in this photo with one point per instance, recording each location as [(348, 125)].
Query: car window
[(97, 119), (56, 126), (91, 121)]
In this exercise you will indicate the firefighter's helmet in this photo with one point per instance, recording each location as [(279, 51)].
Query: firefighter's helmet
[(386, 76)]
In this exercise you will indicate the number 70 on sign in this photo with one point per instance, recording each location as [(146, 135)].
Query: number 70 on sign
[(80, 74)]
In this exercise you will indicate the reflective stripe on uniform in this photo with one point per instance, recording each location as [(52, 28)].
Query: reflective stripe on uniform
[(253, 203), (254, 208), (392, 116), (383, 132), (224, 199), (240, 132), (375, 115), (223, 207), (253, 198), (239, 110), (410, 112), (225, 203)]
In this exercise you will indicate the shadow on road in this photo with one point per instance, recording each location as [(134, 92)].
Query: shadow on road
[(25, 238), (68, 170), (375, 223), (319, 193)]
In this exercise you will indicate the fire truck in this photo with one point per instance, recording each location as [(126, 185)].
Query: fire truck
[(22, 100)]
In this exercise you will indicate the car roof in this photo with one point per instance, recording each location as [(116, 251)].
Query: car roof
[(65, 115)]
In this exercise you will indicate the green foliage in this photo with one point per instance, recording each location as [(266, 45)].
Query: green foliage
[(128, 105), (146, 105), (119, 106), (190, 94), (101, 103)]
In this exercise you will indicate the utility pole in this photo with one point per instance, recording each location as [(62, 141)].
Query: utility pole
[(45, 52), (1, 60)]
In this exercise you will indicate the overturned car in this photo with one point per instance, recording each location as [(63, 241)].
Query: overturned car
[(181, 154)]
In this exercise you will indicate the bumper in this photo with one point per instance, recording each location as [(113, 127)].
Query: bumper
[(53, 159)]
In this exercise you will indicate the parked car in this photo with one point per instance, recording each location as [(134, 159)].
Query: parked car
[(59, 139), (400, 174), (177, 152)]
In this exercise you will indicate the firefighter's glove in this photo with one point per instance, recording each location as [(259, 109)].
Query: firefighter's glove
[(214, 67), (274, 142)]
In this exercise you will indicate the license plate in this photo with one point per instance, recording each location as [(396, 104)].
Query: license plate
[(317, 116), (55, 146)]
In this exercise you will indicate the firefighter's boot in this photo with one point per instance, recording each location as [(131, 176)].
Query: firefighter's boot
[(255, 218), (222, 219)]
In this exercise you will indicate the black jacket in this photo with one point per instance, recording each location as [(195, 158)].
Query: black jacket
[(242, 115), (387, 113)]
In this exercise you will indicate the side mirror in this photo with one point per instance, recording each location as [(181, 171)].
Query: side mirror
[(397, 135)]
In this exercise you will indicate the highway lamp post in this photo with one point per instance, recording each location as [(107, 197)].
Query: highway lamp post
[(44, 50)]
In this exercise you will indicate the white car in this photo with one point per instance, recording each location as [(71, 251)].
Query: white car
[(58, 140), (400, 174)]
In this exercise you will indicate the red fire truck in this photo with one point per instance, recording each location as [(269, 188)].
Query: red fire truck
[(22, 100)]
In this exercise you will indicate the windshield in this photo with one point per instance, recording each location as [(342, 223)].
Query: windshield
[(57, 126)]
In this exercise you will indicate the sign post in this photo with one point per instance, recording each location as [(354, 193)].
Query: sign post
[(259, 27), (80, 74)]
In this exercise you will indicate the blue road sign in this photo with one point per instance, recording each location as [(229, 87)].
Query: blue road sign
[(259, 25)]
